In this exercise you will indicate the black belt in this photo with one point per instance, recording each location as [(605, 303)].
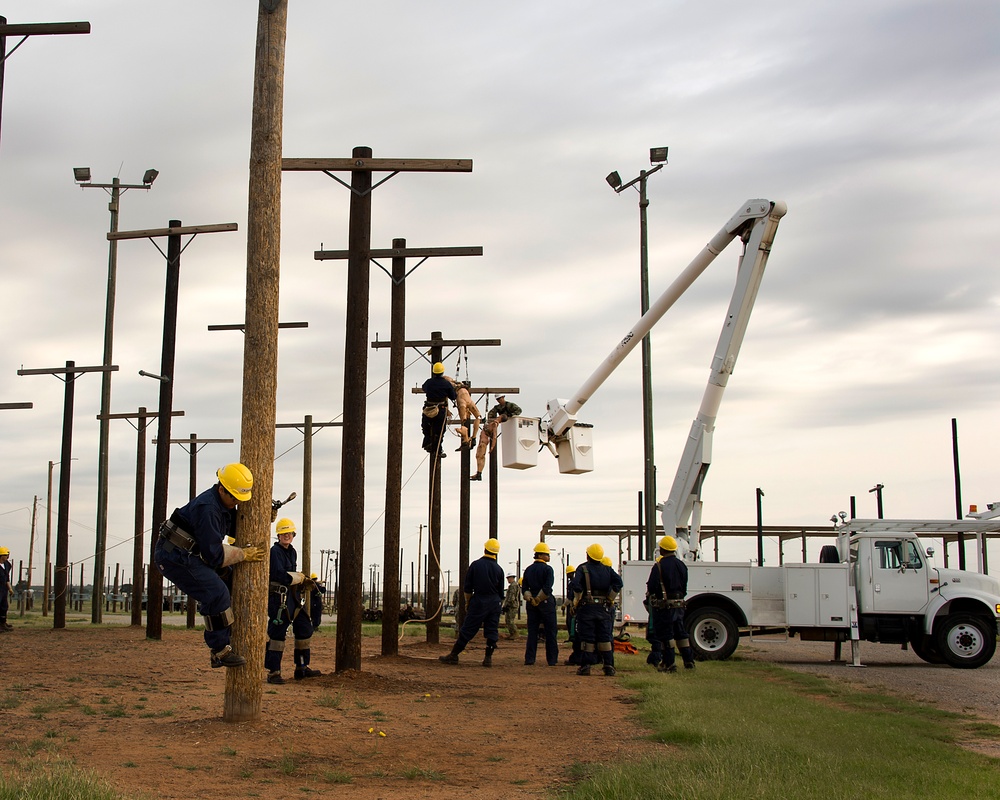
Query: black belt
[(175, 538)]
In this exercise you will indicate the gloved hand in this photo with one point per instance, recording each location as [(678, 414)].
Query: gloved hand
[(535, 601), (253, 553)]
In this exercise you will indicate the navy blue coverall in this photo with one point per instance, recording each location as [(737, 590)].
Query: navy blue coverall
[(284, 608), (484, 580), (666, 588), (438, 390), (538, 580), (591, 613), (208, 522)]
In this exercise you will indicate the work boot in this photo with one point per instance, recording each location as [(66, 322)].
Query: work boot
[(477, 477), (661, 667), (488, 658), (452, 657), (584, 670), (609, 670), (306, 672), (688, 665), (226, 658), (275, 677)]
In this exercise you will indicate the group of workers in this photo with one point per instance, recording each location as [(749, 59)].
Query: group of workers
[(438, 390), (196, 550), (590, 608)]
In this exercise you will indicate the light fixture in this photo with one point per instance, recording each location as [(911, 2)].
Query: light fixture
[(658, 155), (614, 180), (81, 174), (149, 177)]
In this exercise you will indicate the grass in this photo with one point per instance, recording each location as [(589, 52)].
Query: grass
[(751, 730), (58, 783)]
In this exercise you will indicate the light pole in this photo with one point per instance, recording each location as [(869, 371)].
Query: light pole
[(657, 156), (116, 188)]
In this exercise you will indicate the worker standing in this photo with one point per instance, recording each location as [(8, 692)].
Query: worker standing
[(467, 410), (541, 606), (511, 605), (286, 606), (665, 591), (6, 588), (594, 587), (438, 390), (192, 547), (483, 589)]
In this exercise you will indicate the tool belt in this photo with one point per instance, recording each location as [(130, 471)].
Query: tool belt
[(432, 409), (175, 538), (667, 602), (594, 599)]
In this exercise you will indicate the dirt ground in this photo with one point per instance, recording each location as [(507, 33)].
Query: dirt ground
[(146, 716)]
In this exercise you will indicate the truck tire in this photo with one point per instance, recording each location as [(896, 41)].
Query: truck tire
[(923, 647), (965, 641), (713, 632)]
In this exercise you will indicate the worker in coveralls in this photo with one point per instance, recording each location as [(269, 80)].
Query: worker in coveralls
[(6, 588), (483, 588), (541, 605), (574, 640), (595, 588), (192, 550), (286, 606), (665, 592), (438, 390)]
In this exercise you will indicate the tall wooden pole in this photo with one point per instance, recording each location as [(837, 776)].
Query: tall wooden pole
[(352, 493), (260, 357), (432, 605), (62, 583), (394, 456), (138, 562)]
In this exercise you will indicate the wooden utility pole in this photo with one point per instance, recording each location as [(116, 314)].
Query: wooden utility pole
[(394, 455), (173, 233), (260, 357), (433, 606), (361, 165)]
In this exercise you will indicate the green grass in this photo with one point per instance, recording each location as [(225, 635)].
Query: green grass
[(58, 783), (751, 730)]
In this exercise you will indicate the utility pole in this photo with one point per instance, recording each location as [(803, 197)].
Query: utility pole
[(394, 456), (362, 166), (70, 371), (117, 189), (242, 701), (173, 234), (435, 345), (31, 29)]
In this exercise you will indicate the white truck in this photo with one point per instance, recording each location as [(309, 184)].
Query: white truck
[(877, 584)]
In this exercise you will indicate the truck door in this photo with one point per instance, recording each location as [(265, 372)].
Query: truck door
[(899, 577)]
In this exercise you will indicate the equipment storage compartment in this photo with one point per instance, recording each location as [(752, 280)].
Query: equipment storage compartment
[(816, 595), (519, 442)]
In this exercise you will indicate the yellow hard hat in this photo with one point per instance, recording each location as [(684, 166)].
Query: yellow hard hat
[(284, 525), (668, 543), (606, 561), (438, 368), (314, 576), (492, 546), (595, 552), (541, 547), (237, 480), (4, 551), (570, 569)]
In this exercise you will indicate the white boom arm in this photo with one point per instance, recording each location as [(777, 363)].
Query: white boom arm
[(755, 223)]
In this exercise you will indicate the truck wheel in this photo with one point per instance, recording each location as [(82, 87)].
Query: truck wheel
[(923, 647), (965, 641), (713, 633)]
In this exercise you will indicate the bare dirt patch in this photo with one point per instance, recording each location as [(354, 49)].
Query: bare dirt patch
[(146, 716)]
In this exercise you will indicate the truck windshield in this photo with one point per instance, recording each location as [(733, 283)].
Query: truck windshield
[(896, 554)]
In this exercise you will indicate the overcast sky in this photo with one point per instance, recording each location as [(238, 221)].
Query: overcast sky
[(876, 324)]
